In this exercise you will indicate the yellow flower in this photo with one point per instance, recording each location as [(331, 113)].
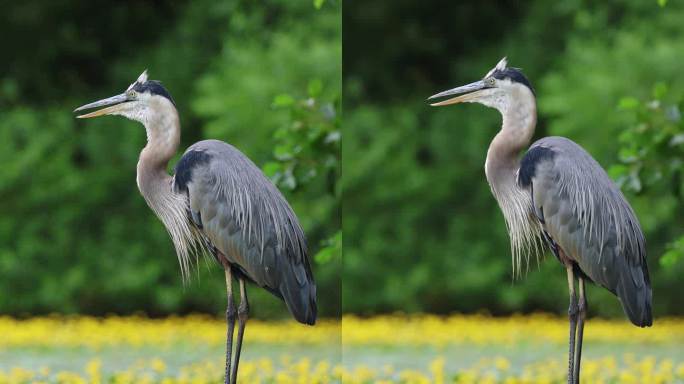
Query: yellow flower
[(437, 370), (93, 370), (502, 363), (158, 365)]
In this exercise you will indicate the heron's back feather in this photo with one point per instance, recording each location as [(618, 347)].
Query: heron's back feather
[(248, 220), (588, 217)]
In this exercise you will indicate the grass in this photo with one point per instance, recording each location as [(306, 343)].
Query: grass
[(387, 349)]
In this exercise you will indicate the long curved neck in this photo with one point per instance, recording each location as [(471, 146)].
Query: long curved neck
[(503, 161), (163, 138), (503, 156)]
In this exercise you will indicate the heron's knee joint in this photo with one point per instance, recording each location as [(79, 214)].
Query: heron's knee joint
[(582, 310), (243, 312), (230, 310), (573, 309)]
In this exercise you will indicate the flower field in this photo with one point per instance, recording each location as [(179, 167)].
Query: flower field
[(516, 349), (386, 349)]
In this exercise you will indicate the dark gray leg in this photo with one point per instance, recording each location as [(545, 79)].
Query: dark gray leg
[(572, 314), (582, 308), (243, 312), (230, 319)]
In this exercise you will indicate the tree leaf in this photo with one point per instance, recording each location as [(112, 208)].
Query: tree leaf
[(315, 88), (283, 100), (628, 103), (271, 169)]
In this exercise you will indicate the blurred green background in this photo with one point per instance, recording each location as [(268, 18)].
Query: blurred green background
[(75, 234), (422, 230)]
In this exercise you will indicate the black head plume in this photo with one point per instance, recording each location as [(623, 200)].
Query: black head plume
[(154, 87), (513, 74)]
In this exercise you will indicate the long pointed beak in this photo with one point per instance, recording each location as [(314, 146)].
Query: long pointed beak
[(113, 104), (465, 93)]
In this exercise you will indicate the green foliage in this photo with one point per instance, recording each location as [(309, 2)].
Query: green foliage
[(651, 153), (319, 3), (75, 234), (308, 149), (309, 146)]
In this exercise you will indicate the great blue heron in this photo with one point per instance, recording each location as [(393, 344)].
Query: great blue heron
[(218, 201), (558, 194)]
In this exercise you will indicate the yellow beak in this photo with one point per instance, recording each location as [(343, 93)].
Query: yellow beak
[(465, 93), (112, 104)]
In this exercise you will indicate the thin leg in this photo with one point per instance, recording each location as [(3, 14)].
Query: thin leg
[(582, 307), (572, 314), (230, 319), (243, 312)]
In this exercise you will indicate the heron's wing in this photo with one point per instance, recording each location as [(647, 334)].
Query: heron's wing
[(587, 216), (246, 218)]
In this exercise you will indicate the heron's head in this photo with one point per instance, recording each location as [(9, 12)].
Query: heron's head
[(141, 101), (498, 89)]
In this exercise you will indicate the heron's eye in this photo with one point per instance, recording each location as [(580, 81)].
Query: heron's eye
[(130, 93), (489, 81)]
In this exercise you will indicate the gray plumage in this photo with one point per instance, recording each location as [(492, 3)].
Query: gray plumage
[(559, 195), (247, 219), (585, 214)]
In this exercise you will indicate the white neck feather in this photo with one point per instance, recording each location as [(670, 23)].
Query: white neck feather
[(519, 112), (163, 137)]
